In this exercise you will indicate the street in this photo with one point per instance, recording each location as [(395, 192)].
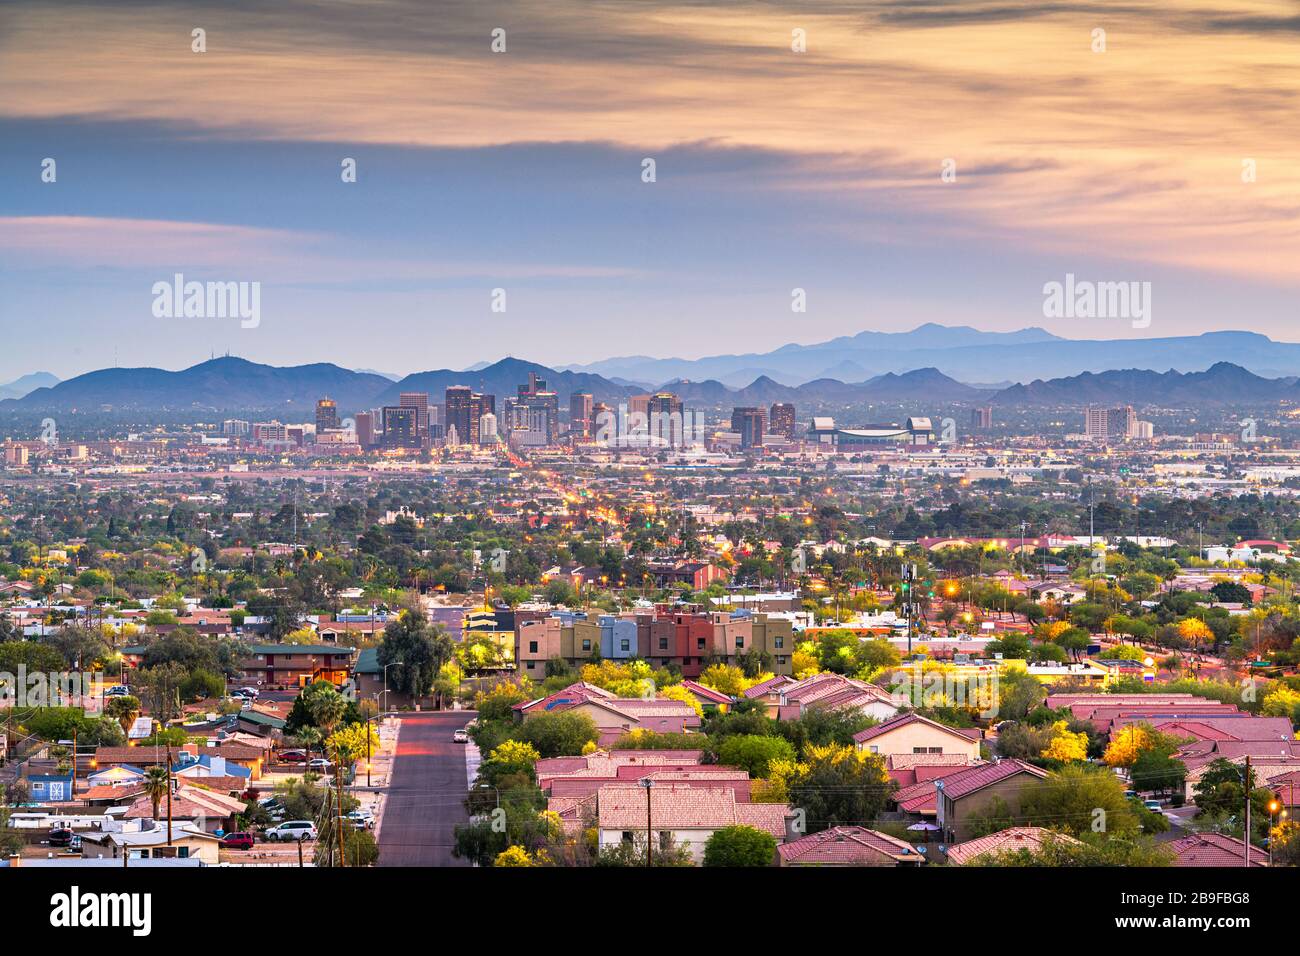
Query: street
[(425, 799)]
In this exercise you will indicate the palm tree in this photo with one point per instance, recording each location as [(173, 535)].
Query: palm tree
[(157, 780)]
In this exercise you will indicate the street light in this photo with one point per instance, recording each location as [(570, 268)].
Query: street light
[(386, 666), (1273, 807)]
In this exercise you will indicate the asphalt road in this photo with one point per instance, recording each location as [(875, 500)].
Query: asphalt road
[(426, 794)]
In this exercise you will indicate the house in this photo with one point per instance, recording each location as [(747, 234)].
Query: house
[(188, 842), (1214, 849), (848, 846), (616, 716), (297, 665), (206, 810), (212, 771), (708, 698), (685, 815), (251, 758), (976, 790), (50, 787), (1005, 841), (254, 721), (910, 733), (833, 692)]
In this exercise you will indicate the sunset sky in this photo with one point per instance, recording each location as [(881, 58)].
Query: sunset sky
[(522, 170)]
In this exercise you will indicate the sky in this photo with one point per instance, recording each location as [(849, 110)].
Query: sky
[(1170, 156)]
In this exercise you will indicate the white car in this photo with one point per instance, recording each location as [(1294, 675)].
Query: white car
[(362, 819), (291, 830), (460, 737)]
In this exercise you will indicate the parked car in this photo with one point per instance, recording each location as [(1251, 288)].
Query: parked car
[(61, 836), (320, 763), (240, 840), (293, 756), (118, 691), (1152, 805), (361, 819), (291, 830), (249, 692), (460, 737)]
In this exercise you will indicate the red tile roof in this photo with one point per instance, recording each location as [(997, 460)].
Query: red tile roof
[(848, 846), (964, 782), (903, 720), (1004, 841), (1213, 849)]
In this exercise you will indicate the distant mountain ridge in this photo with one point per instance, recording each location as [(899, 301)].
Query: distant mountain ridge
[(28, 383), (964, 354), (238, 384)]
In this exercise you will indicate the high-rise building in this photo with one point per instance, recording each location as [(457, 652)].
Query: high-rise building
[(1110, 422), (487, 428), (748, 421), (270, 433), (664, 418), (460, 406), (366, 429), (781, 420), (464, 409), (327, 415), (981, 417), (237, 427), (401, 426), (420, 402), (581, 411), (542, 405)]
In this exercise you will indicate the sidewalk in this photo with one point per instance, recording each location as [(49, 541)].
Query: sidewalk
[(375, 796)]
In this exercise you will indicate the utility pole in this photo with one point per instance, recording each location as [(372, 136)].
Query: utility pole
[(338, 807), (648, 783), (1246, 836), (169, 795)]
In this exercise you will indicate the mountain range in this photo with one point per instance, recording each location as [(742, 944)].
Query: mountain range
[(233, 384), (28, 383), (962, 353)]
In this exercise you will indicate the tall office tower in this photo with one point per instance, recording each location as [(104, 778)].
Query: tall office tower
[(487, 428), (401, 427), (460, 408), (664, 413), (1110, 422), (535, 395), (267, 433), (749, 422), (781, 419), (581, 410), (604, 422), (327, 415), (235, 426), (420, 402), (981, 417), (366, 429)]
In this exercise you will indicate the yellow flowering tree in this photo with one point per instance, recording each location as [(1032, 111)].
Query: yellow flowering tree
[(1066, 745)]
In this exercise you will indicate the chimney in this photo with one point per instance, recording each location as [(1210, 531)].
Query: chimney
[(791, 828), (15, 861)]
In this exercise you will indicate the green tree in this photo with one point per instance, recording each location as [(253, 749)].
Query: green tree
[(754, 752), (740, 846), (561, 734)]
